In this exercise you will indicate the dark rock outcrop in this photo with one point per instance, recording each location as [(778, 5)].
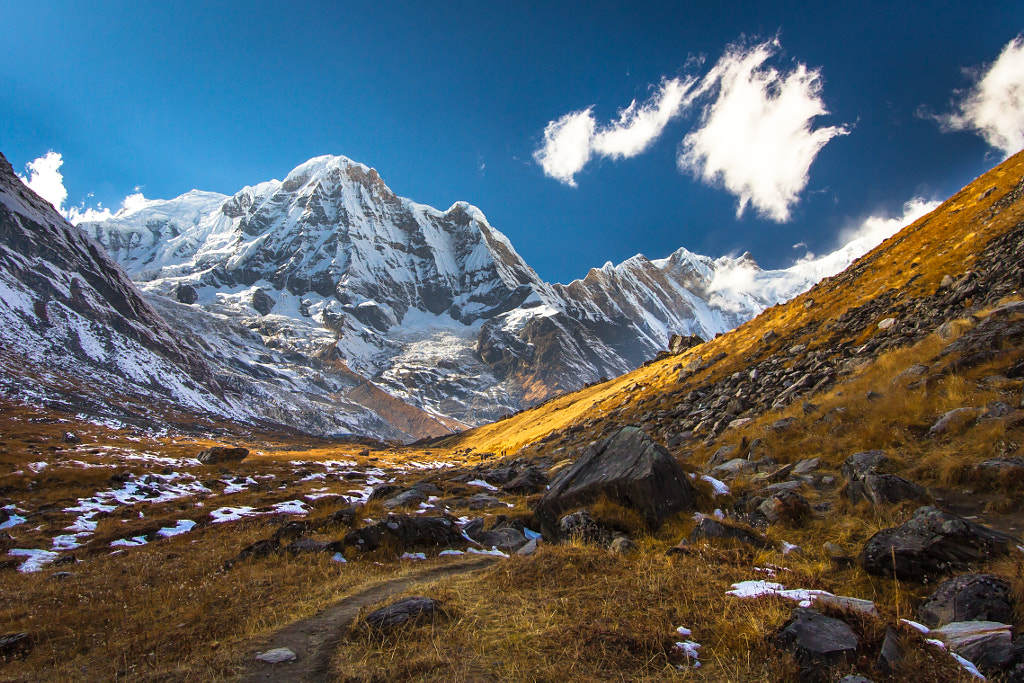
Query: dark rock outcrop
[(867, 479), (712, 529), (405, 611), (628, 468), (968, 597), (219, 454), (406, 532), (818, 642), (930, 543)]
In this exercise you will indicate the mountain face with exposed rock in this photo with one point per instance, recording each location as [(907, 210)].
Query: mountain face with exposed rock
[(435, 308)]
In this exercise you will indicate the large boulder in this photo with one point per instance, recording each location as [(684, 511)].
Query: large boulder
[(405, 611), (868, 480), (931, 542), (219, 454), (402, 533), (818, 642), (627, 468), (969, 597)]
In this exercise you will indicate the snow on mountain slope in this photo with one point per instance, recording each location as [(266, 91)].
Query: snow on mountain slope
[(76, 334), (435, 307)]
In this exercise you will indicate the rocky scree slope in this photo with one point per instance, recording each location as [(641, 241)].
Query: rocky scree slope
[(433, 307)]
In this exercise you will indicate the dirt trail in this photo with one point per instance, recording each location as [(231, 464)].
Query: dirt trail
[(312, 639)]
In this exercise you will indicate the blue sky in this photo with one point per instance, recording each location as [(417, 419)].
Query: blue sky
[(458, 102)]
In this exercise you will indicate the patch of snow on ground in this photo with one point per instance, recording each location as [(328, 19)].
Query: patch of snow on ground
[(719, 487), (482, 484), (13, 520), (183, 526), (36, 559)]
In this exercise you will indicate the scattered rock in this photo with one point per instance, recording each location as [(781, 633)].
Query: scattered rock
[(530, 480), (722, 455), (278, 655), (866, 480), (220, 454), (405, 611), (581, 526), (262, 302), (412, 496), (622, 545), (308, 545), (987, 644), (627, 468), (406, 532), (482, 501), (817, 641), (954, 421), (530, 548), (709, 528), (15, 645), (930, 543), (186, 294), (785, 506), (71, 437), (968, 597), (886, 323), (262, 548), (890, 658), (807, 466), (507, 539), (383, 491)]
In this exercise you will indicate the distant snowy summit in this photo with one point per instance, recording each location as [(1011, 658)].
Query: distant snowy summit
[(435, 308)]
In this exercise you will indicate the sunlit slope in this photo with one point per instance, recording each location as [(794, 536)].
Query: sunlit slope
[(911, 264)]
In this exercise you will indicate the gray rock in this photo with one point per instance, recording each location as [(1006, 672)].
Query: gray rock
[(482, 501), (785, 506), (734, 466), (722, 455), (507, 539), (411, 497), (622, 545), (15, 644), (71, 437), (969, 597), (403, 533), (987, 644), (530, 480), (867, 480), (627, 468), (954, 421), (278, 655), (855, 678), (930, 543), (530, 548), (817, 641), (220, 454), (709, 528), (186, 294), (262, 302), (581, 526), (405, 611), (890, 658), (807, 466)]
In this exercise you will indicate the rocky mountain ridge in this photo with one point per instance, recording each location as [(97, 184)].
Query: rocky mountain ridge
[(433, 307)]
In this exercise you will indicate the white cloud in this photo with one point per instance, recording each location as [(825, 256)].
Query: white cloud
[(567, 146), (994, 107), (45, 179), (756, 138), (572, 140)]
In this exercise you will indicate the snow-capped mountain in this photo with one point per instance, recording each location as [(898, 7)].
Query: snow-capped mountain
[(75, 333), (434, 307)]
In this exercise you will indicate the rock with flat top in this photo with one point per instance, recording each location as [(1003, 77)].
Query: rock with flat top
[(968, 597), (817, 642), (219, 454), (405, 611), (932, 542), (627, 468), (278, 655)]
